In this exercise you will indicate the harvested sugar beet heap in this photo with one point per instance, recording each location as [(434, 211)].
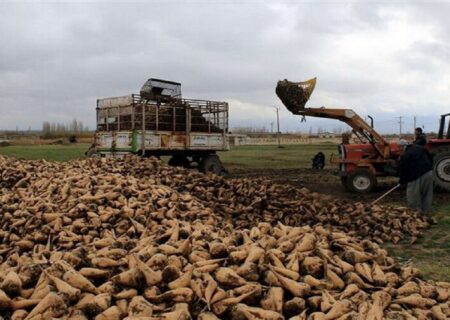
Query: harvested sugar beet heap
[(134, 239), (245, 202)]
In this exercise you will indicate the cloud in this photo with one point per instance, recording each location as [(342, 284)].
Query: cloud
[(383, 59)]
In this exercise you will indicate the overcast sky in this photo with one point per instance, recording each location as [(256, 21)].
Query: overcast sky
[(379, 58)]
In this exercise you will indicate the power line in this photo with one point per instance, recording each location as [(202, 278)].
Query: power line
[(278, 126)]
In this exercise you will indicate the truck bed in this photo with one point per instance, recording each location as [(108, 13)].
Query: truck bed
[(132, 124), (128, 141)]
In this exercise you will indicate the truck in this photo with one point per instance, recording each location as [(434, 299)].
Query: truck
[(360, 164), (160, 122)]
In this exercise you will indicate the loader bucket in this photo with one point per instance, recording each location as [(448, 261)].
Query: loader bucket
[(294, 95)]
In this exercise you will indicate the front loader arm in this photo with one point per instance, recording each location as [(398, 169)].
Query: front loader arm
[(294, 96), (352, 119)]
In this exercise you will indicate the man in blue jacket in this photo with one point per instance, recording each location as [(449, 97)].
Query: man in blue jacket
[(416, 171)]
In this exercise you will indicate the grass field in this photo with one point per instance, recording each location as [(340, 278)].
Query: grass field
[(431, 253), (48, 152), (259, 157), (286, 157)]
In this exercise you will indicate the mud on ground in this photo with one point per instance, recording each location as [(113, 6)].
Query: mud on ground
[(328, 181)]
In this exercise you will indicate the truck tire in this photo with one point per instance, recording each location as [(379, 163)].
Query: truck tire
[(344, 182), (92, 153), (441, 167), (179, 161), (211, 163), (361, 181)]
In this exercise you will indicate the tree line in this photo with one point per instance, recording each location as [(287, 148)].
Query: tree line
[(56, 129)]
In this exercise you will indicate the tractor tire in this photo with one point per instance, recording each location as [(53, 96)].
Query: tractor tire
[(360, 181), (441, 167), (212, 164), (179, 161)]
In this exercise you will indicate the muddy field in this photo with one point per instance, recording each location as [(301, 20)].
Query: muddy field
[(328, 181)]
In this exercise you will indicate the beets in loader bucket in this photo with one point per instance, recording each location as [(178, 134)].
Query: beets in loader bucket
[(294, 95)]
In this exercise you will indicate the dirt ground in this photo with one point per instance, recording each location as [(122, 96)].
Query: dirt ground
[(328, 181)]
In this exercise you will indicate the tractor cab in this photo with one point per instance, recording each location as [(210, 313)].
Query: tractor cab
[(157, 89), (442, 134)]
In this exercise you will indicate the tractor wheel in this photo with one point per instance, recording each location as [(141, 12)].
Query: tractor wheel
[(179, 161), (361, 181), (212, 164), (441, 167)]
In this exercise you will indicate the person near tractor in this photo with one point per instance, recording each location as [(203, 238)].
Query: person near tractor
[(416, 172), (420, 137), (318, 162)]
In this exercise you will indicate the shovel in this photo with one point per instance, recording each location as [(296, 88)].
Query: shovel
[(385, 194)]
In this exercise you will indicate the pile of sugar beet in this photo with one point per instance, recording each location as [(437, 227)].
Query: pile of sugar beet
[(135, 239)]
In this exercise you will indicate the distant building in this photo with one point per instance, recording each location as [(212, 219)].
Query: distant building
[(328, 135), (238, 139)]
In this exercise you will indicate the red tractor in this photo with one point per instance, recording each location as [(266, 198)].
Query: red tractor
[(361, 164)]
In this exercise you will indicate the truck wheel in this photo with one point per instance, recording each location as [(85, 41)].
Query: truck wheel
[(92, 153), (212, 164), (441, 168), (179, 161), (361, 181), (344, 181)]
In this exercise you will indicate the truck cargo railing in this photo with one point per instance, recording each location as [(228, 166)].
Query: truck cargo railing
[(130, 113)]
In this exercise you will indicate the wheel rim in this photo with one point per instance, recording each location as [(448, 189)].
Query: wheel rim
[(361, 183), (443, 170)]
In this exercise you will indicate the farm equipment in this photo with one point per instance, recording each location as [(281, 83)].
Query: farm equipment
[(361, 164), (159, 122)]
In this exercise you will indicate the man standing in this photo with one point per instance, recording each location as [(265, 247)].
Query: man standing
[(318, 162), (415, 170), (420, 137)]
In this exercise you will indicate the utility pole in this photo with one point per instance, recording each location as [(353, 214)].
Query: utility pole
[(400, 122), (278, 127), (271, 127), (414, 123)]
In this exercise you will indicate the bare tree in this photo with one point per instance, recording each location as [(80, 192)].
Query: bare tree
[(46, 129), (53, 130)]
